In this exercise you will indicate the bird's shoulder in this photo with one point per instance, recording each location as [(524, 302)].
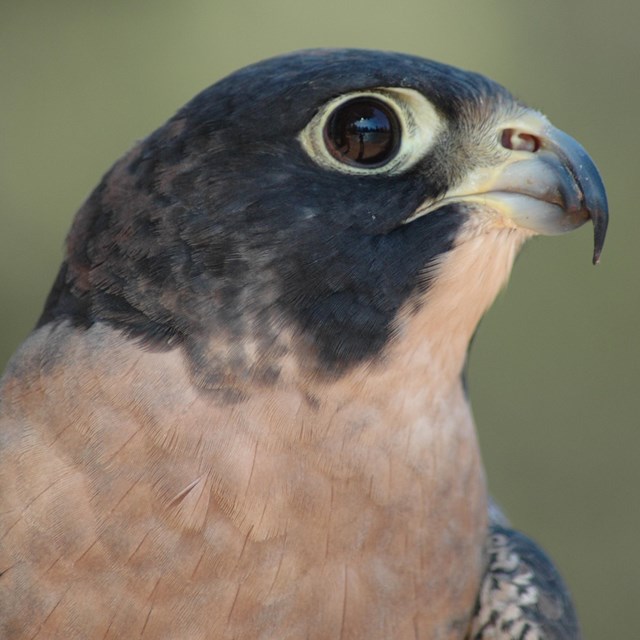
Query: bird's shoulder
[(522, 596)]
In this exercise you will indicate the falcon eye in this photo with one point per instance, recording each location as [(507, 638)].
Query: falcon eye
[(363, 132), (378, 131)]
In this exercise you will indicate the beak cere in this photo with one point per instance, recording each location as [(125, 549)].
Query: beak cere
[(548, 184)]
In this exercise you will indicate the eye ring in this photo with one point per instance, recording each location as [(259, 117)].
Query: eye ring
[(414, 122), (363, 132)]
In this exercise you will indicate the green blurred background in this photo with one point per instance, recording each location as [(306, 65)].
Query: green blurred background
[(556, 365)]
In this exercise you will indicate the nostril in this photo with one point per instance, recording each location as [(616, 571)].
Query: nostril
[(520, 141)]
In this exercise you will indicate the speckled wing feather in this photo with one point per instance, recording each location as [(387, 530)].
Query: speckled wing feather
[(522, 596)]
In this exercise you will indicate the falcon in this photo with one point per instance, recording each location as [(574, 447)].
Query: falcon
[(242, 411)]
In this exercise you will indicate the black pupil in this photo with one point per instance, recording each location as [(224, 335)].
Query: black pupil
[(363, 132)]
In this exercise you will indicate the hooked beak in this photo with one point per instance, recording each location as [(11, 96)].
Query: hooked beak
[(547, 184)]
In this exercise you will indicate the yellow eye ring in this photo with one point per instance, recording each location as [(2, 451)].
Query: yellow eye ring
[(385, 130)]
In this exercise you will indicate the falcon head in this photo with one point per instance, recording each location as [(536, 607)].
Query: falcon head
[(317, 204)]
